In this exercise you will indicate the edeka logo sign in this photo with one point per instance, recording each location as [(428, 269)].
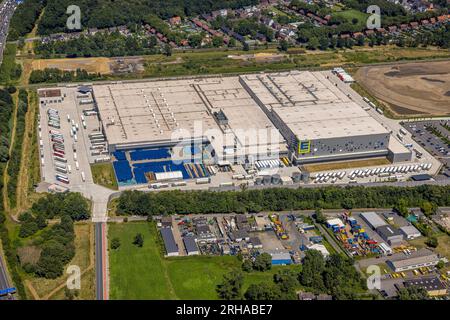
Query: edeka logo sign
[(304, 146)]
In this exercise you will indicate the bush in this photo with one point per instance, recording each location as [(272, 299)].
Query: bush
[(263, 262), (432, 242), (138, 240), (115, 243)]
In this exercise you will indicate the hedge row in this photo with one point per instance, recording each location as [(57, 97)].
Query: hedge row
[(16, 153)]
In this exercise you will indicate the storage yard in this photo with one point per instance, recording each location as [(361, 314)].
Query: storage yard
[(221, 132), (284, 236)]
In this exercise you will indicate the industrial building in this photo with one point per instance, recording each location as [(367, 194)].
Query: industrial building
[(281, 258), (417, 259), (373, 219), (391, 235), (410, 232), (169, 242), (318, 121), (433, 285), (319, 247), (216, 111), (300, 116), (191, 246)]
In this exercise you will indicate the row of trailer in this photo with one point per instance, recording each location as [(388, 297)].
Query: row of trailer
[(58, 147), (54, 120), (98, 146), (62, 168), (328, 176), (333, 177), (387, 171), (268, 164)]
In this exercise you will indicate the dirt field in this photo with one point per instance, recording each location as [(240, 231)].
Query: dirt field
[(91, 65), (346, 164), (411, 89)]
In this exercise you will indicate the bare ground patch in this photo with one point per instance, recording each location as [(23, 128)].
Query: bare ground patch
[(418, 88)]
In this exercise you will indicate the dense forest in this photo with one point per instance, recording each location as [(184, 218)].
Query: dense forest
[(107, 13), (278, 199), (25, 18)]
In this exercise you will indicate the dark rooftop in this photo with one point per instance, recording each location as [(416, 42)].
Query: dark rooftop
[(240, 234), (169, 240), (421, 177), (429, 284), (190, 244), (388, 231)]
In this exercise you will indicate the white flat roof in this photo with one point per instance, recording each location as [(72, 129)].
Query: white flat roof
[(311, 106), (165, 110)]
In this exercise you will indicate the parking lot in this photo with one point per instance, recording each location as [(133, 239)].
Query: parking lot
[(64, 142), (431, 142)]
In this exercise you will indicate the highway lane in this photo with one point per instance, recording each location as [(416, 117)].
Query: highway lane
[(7, 8), (4, 280), (98, 261)]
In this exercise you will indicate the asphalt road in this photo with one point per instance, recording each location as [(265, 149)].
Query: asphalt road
[(100, 249), (4, 281), (7, 8)]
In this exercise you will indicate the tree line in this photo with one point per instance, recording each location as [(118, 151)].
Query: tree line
[(16, 152), (277, 199), (9, 249), (54, 75)]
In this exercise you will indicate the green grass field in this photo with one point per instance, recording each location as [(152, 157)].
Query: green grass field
[(137, 273), (10, 71), (142, 273), (350, 14), (103, 174)]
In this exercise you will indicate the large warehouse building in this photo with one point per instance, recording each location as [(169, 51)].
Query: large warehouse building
[(319, 122), (238, 119), (216, 111)]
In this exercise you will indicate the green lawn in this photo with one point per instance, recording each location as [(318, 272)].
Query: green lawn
[(137, 273), (103, 174), (350, 14), (142, 273), (10, 71), (197, 277)]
